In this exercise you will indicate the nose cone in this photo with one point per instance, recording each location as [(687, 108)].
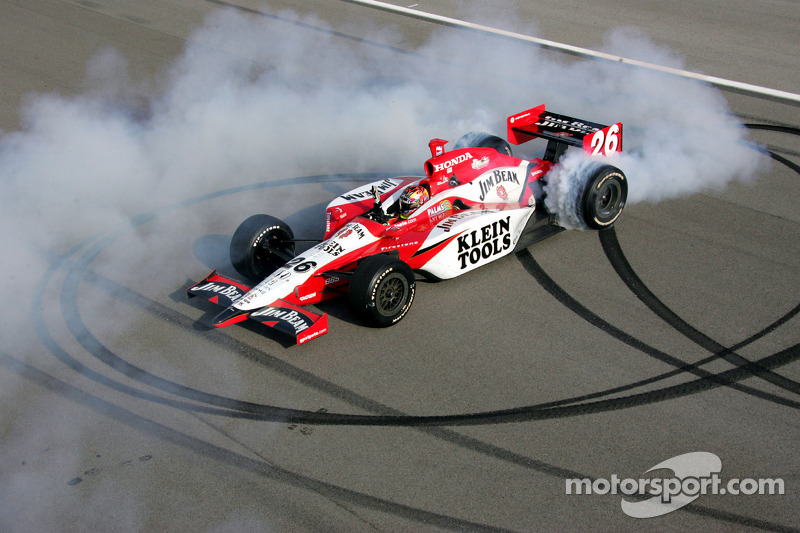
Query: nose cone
[(229, 316)]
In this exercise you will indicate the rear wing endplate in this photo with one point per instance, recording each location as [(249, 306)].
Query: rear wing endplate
[(562, 131)]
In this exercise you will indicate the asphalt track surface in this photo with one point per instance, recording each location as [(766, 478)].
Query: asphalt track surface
[(586, 356)]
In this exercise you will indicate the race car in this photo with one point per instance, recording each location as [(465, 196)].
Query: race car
[(475, 204)]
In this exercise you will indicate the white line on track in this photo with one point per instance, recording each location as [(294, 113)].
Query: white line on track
[(735, 86)]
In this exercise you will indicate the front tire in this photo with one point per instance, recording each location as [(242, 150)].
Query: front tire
[(255, 243), (382, 290)]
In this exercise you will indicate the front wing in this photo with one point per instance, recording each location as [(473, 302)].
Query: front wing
[(287, 318)]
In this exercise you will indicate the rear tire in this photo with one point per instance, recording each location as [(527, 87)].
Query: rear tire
[(382, 290), (253, 245), (478, 139), (604, 197)]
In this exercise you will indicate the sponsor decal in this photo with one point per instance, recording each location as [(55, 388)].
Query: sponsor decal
[(501, 192), (349, 229), (484, 243), (383, 186), (333, 248), (398, 246), (478, 164), (290, 316), (279, 275), (312, 335), (496, 178), (307, 296), (575, 126), (337, 213), (450, 163), (223, 290), (330, 280), (404, 223), (441, 207), (448, 224)]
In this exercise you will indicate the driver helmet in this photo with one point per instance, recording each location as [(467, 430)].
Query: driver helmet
[(413, 197)]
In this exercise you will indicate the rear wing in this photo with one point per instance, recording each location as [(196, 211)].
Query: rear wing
[(562, 131)]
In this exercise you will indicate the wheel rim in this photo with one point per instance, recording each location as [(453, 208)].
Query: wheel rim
[(391, 294), (275, 240), (608, 200)]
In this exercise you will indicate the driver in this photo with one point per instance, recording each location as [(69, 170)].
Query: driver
[(413, 197)]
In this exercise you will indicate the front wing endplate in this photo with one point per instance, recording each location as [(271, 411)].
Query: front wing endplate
[(283, 316)]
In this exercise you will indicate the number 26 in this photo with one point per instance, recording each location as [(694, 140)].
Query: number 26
[(607, 141)]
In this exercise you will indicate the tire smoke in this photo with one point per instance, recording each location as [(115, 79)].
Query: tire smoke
[(564, 187), (255, 98)]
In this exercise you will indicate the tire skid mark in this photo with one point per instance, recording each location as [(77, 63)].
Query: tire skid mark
[(80, 270), (250, 410), (335, 493), (453, 437), (429, 424), (44, 336), (728, 378), (626, 273), (624, 270), (438, 432)]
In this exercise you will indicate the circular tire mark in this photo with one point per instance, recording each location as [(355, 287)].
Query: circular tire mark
[(79, 272), (619, 262), (625, 271), (248, 410)]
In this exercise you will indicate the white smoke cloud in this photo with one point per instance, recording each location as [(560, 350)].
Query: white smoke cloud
[(255, 97), (679, 135)]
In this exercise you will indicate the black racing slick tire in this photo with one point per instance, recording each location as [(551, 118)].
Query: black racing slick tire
[(603, 197), (260, 245), (477, 139), (382, 290)]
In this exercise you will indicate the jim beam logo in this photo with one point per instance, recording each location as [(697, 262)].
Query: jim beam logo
[(350, 229), (484, 243), (228, 291), (290, 316), (574, 126), (382, 187), (496, 178), (447, 225)]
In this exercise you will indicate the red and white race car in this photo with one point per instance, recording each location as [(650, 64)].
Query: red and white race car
[(476, 203)]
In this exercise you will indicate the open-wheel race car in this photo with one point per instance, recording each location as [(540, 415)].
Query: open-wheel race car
[(475, 204)]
